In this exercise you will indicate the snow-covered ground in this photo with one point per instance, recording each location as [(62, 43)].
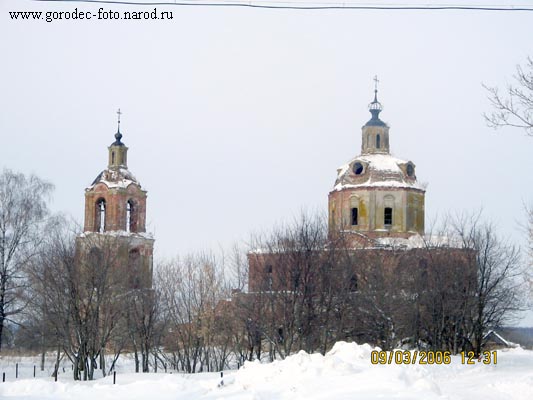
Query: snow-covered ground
[(346, 372)]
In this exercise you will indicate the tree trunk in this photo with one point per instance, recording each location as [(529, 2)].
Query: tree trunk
[(136, 360), (57, 362), (2, 318), (43, 354), (102, 362)]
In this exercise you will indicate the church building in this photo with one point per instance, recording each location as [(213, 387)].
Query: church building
[(115, 216), (376, 204)]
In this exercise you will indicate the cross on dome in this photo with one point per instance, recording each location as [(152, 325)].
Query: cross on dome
[(375, 105), (118, 135)]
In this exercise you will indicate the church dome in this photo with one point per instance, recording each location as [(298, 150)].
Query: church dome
[(376, 170), (115, 178), (377, 194)]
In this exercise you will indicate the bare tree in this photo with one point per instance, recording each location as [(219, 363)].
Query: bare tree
[(191, 289), (528, 230), (144, 325), (303, 288), (82, 293), (515, 106), (445, 295), (23, 209), (498, 295)]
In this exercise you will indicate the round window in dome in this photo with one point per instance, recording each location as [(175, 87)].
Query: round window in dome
[(358, 168), (410, 170)]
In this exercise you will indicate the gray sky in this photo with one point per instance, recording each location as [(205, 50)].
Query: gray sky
[(236, 118)]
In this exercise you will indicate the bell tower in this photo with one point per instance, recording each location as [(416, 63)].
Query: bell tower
[(115, 212)]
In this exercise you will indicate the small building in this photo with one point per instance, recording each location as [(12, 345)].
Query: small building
[(494, 340)]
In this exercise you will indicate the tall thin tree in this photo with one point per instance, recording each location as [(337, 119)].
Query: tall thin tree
[(23, 210)]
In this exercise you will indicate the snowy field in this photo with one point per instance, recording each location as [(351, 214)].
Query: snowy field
[(346, 372)]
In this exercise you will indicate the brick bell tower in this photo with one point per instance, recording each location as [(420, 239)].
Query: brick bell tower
[(115, 217)]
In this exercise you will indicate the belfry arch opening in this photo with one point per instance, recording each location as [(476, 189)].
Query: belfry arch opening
[(100, 215), (131, 216), (378, 141)]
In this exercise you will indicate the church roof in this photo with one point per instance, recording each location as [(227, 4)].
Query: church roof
[(376, 170), (375, 121), (115, 178)]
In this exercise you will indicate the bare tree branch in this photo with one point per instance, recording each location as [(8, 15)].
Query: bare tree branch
[(514, 107)]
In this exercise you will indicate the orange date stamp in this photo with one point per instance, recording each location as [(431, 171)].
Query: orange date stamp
[(406, 357)]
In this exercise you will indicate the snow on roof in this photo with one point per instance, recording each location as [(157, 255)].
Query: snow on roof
[(392, 184), (417, 242), (280, 249), (115, 178), (383, 162), (381, 170), (501, 339), (119, 233)]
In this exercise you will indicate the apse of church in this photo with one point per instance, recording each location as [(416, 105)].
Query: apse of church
[(375, 194), (115, 215)]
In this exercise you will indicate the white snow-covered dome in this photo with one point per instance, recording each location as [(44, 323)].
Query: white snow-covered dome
[(377, 170), (115, 178)]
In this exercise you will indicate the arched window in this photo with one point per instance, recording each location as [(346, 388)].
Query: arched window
[(295, 280), (410, 170), (95, 258), (387, 217), (134, 264), (378, 141), (112, 157), (268, 272), (99, 223), (353, 283), (95, 264), (131, 217), (355, 216), (423, 268)]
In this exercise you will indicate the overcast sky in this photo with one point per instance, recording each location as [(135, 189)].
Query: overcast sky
[(236, 119)]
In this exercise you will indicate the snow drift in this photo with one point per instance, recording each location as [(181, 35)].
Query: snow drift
[(343, 373)]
